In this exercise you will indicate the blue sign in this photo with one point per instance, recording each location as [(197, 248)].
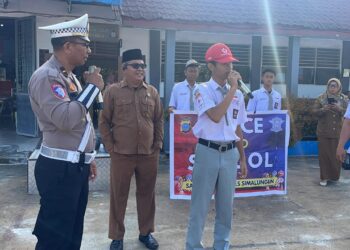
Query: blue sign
[(104, 2)]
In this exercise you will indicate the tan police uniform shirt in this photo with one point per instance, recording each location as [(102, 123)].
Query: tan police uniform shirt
[(61, 119), (132, 119)]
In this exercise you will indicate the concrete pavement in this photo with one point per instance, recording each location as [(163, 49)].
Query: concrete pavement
[(310, 217)]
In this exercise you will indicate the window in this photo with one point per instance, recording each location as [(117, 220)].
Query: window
[(316, 66), (187, 50), (276, 58), (242, 53)]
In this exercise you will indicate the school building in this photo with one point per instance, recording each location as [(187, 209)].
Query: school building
[(306, 42)]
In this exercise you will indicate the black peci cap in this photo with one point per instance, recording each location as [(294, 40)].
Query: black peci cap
[(132, 54)]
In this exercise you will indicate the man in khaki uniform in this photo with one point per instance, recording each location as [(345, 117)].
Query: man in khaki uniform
[(66, 159), (131, 127)]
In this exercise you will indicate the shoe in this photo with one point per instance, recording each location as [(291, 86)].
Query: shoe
[(116, 245), (323, 183), (149, 241)]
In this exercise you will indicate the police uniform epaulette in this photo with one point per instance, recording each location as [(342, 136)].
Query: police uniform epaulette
[(119, 84), (54, 75)]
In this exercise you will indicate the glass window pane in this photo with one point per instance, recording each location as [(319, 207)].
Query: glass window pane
[(323, 75), (179, 72), (244, 71), (204, 73), (306, 75)]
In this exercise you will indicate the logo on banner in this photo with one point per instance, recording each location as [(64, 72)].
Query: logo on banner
[(276, 124), (185, 125)]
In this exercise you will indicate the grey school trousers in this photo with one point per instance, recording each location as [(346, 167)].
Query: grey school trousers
[(213, 171)]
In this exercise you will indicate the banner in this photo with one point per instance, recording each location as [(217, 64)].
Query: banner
[(266, 137)]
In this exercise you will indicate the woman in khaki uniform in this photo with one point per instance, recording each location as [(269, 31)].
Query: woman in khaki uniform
[(329, 109)]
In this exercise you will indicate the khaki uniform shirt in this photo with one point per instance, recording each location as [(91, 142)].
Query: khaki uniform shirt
[(61, 119), (132, 119), (329, 121)]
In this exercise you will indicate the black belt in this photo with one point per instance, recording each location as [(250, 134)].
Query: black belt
[(219, 147)]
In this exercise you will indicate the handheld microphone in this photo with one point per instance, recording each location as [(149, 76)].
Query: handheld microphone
[(99, 100), (245, 89)]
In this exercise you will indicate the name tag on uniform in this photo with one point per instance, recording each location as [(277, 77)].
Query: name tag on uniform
[(183, 93), (235, 113)]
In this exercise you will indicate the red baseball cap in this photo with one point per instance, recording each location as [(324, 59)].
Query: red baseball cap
[(220, 53)]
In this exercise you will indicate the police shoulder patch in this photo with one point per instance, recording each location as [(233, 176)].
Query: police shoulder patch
[(58, 91)]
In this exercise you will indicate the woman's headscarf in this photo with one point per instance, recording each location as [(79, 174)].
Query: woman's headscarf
[(337, 96), (339, 85)]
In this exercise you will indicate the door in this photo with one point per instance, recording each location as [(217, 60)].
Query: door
[(26, 123)]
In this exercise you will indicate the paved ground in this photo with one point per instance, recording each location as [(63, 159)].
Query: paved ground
[(309, 217)]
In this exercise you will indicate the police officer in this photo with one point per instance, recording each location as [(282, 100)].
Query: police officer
[(66, 160), (221, 111), (182, 93), (265, 98)]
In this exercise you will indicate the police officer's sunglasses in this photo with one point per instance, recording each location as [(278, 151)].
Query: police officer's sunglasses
[(136, 65), (85, 44)]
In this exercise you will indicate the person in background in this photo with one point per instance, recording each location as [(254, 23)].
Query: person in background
[(182, 93), (265, 98), (329, 109)]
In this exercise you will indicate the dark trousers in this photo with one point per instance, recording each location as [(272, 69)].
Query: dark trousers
[(123, 167), (63, 189)]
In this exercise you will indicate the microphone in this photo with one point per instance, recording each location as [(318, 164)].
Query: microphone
[(245, 89), (99, 100)]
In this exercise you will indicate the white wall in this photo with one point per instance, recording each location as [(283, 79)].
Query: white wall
[(43, 39), (134, 38), (310, 91), (321, 43), (278, 40), (205, 37)]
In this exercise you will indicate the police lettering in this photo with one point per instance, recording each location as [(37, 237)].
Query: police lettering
[(256, 124)]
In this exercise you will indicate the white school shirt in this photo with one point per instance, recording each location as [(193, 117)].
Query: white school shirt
[(347, 116), (180, 96), (260, 101), (207, 96)]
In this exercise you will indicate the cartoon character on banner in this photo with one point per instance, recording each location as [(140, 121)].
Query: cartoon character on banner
[(267, 175), (191, 160), (280, 180), (179, 185)]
